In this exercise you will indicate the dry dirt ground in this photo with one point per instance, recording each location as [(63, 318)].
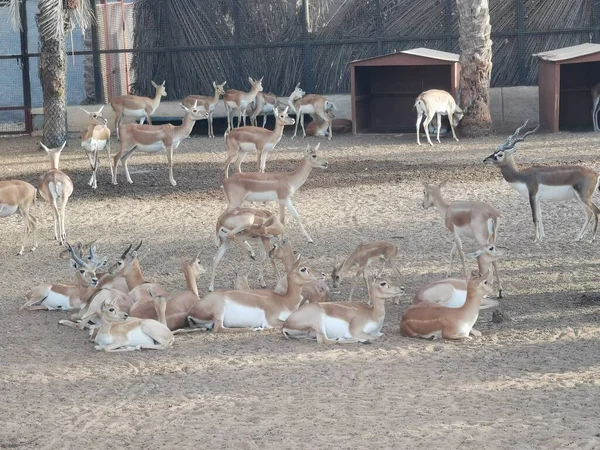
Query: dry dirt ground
[(532, 382)]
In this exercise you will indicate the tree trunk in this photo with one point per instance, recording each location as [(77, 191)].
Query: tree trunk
[(53, 74), (476, 66)]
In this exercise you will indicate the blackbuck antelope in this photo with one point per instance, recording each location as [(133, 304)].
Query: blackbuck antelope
[(431, 320), (236, 226), (154, 139), (596, 105), (471, 219), (275, 186), (66, 296), (309, 104), (265, 102), (440, 103), (120, 333), (254, 309), (240, 100), (136, 106), (342, 322), (94, 139), (56, 187), (318, 127), (361, 258), (315, 292), (208, 103), (550, 183), (242, 140), (17, 197)]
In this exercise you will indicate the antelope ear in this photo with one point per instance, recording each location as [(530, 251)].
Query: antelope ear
[(44, 147), (261, 78), (474, 255), (297, 86), (100, 110), (276, 111), (214, 84), (184, 107), (297, 262), (87, 112), (251, 80), (285, 111), (308, 150), (317, 146), (224, 83), (154, 84), (164, 81), (62, 147)]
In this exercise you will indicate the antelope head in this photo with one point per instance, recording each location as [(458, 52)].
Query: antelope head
[(302, 275), (298, 92), (429, 194), (315, 161), (219, 88), (489, 252), (283, 118), (381, 289), (110, 312), (196, 112), (256, 83), (500, 156), (160, 88), (96, 117), (86, 271), (125, 261)]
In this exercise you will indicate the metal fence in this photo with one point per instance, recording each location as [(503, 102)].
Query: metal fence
[(191, 43)]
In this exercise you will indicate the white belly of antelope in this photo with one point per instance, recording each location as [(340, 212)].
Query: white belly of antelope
[(138, 337), (555, 193), (242, 316), (55, 300), (97, 144), (262, 196), (7, 210), (134, 112), (336, 328), (457, 299), (151, 148), (247, 147), (307, 109)]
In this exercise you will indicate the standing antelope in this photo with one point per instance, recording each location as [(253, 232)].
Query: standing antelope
[(17, 197), (240, 100), (551, 183), (242, 140), (440, 103), (155, 138), (136, 106), (342, 322), (309, 104), (361, 257), (275, 186), (596, 105), (431, 320), (265, 102), (208, 103), (56, 187), (93, 140), (472, 219)]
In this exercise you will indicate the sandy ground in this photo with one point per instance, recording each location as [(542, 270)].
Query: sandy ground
[(532, 382)]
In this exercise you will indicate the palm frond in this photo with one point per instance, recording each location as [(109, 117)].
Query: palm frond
[(51, 22), (14, 13), (82, 16)]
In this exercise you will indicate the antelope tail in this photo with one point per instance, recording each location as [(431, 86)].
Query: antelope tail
[(330, 105)]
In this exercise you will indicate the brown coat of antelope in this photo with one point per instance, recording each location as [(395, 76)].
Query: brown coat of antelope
[(240, 100), (136, 106), (94, 139), (318, 127), (17, 197), (209, 103), (310, 104), (265, 102)]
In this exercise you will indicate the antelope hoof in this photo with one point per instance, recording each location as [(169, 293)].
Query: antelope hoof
[(253, 256), (20, 252), (431, 143), (258, 329), (173, 183), (500, 294), (365, 342), (456, 139), (438, 141), (211, 289)]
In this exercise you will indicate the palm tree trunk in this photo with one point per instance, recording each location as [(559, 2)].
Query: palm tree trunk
[(476, 66)]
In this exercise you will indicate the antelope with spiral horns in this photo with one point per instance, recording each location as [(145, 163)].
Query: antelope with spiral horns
[(136, 106), (550, 183), (93, 140), (17, 197)]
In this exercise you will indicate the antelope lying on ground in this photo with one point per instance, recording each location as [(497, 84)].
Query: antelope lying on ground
[(119, 333), (440, 103), (551, 183), (154, 139), (265, 102), (235, 227), (208, 103), (309, 104), (254, 139), (240, 100), (56, 187), (596, 105), (431, 320), (94, 139), (342, 322), (275, 186), (319, 127), (472, 219), (314, 292), (136, 106), (17, 197), (361, 257), (252, 309)]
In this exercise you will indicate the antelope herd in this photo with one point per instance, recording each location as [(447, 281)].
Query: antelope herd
[(123, 311)]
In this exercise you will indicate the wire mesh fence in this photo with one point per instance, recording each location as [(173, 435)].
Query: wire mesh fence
[(191, 43)]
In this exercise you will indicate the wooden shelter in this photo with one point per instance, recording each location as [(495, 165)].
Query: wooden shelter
[(566, 76), (384, 88)]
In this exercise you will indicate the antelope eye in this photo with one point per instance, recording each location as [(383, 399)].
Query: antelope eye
[(383, 284), (491, 249), (111, 309), (304, 269), (81, 271), (314, 156)]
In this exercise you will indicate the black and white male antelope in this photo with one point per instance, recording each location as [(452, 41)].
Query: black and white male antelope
[(242, 140), (310, 104), (440, 103), (136, 106), (56, 187), (274, 186), (240, 100), (154, 139), (17, 196), (94, 139), (209, 103), (550, 183)]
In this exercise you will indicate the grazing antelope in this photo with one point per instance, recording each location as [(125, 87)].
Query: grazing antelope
[(240, 100), (235, 226), (119, 333), (254, 139), (136, 106), (254, 309), (472, 219), (361, 257), (208, 103), (56, 187), (440, 103), (275, 186), (318, 127), (596, 105), (65, 296), (550, 183), (155, 138), (315, 292), (265, 102), (93, 140), (431, 320), (309, 104), (342, 322), (17, 197)]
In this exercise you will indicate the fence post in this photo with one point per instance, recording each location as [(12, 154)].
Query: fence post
[(379, 26), (308, 80), (98, 84), (25, 69), (596, 20), (521, 48), (448, 25), (237, 55)]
